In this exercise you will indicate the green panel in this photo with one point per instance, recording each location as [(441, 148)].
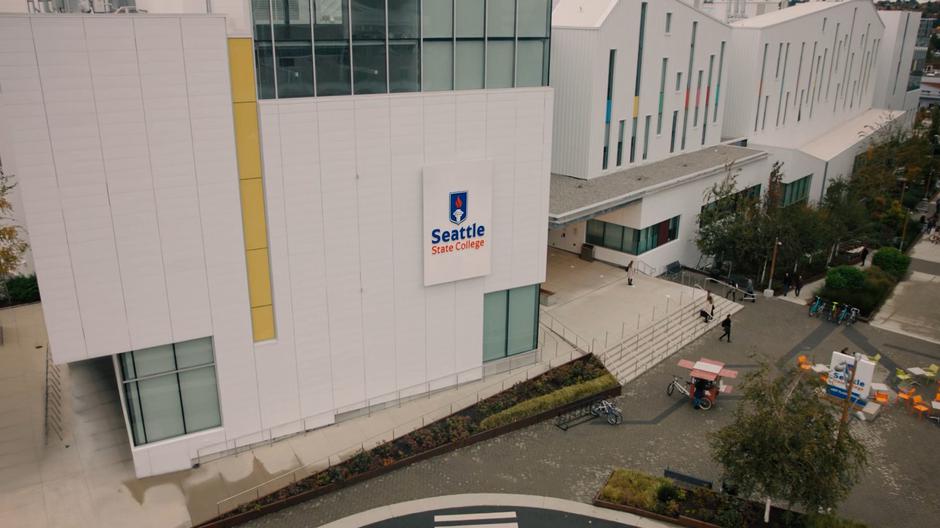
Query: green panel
[(523, 319), (494, 325)]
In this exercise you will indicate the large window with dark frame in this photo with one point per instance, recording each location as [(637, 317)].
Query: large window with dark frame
[(796, 191), (629, 240), (306, 48), (170, 390), (510, 322), (730, 203)]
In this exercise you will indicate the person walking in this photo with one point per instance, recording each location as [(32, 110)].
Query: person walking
[(864, 255), (711, 304), (726, 326), (786, 283), (750, 290), (797, 285)]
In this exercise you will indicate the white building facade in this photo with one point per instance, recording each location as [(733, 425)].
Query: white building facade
[(250, 248)]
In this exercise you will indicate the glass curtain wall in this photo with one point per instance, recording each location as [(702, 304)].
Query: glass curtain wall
[(170, 390), (307, 48), (629, 240), (510, 322)]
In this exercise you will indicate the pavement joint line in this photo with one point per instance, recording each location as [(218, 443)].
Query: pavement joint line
[(908, 350), (809, 342)]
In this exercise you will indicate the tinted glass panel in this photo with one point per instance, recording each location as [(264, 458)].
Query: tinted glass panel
[(200, 399), (331, 34), (532, 70), (533, 18), (293, 49), (369, 64), (403, 19), (494, 325), (523, 303), (368, 20), (404, 68), (613, 235), (264, 48), (469, 18), (500, 18), (595, 232), (156, 360), (469, 64), (438, 65), (438, 18), (194, 352), (160, 403), (499, 63)]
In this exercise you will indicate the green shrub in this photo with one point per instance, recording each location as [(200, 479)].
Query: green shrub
[(876, 285), (845, 278), (892, 261), (549, 401), (22, 289), (633, 488)]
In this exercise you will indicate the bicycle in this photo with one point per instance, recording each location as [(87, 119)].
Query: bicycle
[(815, 308), (843, 315), (604, 407), (677, 384), (853, 316), (833, 312)]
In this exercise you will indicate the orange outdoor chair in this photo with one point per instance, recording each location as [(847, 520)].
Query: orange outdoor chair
[(803, 362), (919, 407), (906, 394), (881, 398)]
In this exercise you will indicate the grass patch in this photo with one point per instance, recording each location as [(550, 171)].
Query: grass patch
[(549, 401)]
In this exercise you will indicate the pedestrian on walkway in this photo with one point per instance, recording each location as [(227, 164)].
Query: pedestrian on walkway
[(726, 326), (786, 283), (864, 255), (711, 304), (798, 285)]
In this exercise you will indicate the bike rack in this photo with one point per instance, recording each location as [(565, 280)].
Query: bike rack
[(574, 417)]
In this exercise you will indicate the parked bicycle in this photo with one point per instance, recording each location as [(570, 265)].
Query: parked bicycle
[(817, 307), (604, 407), (833, 313), (853, 316)]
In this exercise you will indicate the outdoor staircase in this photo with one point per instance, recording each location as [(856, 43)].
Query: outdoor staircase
[(632, 355)]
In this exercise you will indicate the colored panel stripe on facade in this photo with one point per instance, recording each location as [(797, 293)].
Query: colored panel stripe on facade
[(248, 151)]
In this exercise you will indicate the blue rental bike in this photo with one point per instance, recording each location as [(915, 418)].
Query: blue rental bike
[(816, 307)]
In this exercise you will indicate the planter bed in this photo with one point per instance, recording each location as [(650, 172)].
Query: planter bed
[(453, 432), (661, 499)]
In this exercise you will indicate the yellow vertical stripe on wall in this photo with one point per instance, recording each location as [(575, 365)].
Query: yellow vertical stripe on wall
[(636, 106), (262, 323), (259, 277), (241, 61), (251, 187), (247, 140), (256, 232)]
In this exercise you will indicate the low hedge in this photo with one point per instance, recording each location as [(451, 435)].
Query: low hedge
[(663, 497), (20, 289), (843, 287), (892, 261), (551, 400)]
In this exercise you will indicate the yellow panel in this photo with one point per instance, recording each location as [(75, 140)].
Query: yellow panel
[(636, 106), (262, 323), (253, 217), (259, 277), (247, 142), (242, 68)]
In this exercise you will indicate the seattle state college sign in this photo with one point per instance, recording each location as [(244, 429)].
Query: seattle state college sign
[(458, 208)]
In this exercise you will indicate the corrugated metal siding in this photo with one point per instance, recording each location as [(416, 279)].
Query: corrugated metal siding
[(573, 77)]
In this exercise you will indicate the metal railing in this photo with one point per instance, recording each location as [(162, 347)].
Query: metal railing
[(570, 336), (644, 268), (340, 455), (52, 401)]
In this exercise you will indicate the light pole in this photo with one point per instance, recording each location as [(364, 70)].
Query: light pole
[(907, 215), (769, 292)]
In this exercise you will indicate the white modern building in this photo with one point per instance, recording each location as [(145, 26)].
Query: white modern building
[(271, 219), (646, 121)]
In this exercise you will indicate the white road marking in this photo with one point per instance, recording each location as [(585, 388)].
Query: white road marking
[(489, 525), (475, 517)]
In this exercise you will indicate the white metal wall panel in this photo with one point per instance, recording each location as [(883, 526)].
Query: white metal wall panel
[(298, 142), (376, 247), (500, 147), (573, 63), (407, 156), (442, 324), (528, 250), (71, 113), (340, 219), (24, 138)]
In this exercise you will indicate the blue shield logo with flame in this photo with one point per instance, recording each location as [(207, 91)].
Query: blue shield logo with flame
[(458, 207)]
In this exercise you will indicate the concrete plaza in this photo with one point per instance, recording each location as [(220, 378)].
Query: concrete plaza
[(912, 309), (661, 431)]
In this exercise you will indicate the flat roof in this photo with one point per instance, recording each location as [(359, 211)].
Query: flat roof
[(573, 199), (786, 14), (849, 134)]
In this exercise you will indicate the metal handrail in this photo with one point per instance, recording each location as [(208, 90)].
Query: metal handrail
[(580, 343), (744, 293), (340, 455)]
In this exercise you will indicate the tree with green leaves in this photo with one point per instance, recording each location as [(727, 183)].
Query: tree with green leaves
[(12, 246), (784, 444)]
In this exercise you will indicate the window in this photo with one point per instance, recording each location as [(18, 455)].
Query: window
[(721, 66), (698, 94), (633, 142), (672, 139), (611, 61), (170, 390), (341, 47), (510, 322), (620, 145), (730, 203), (796, 191), (678, 81), (668, 22), (629, 240), (662, 96), (646, 137)]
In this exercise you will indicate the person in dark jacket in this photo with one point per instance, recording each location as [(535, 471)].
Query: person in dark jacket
[(726, 326), (797, 285)]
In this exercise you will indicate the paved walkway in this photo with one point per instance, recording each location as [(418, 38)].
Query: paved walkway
[(85, 478), (913, 308), (661, 431), (518, 511)]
